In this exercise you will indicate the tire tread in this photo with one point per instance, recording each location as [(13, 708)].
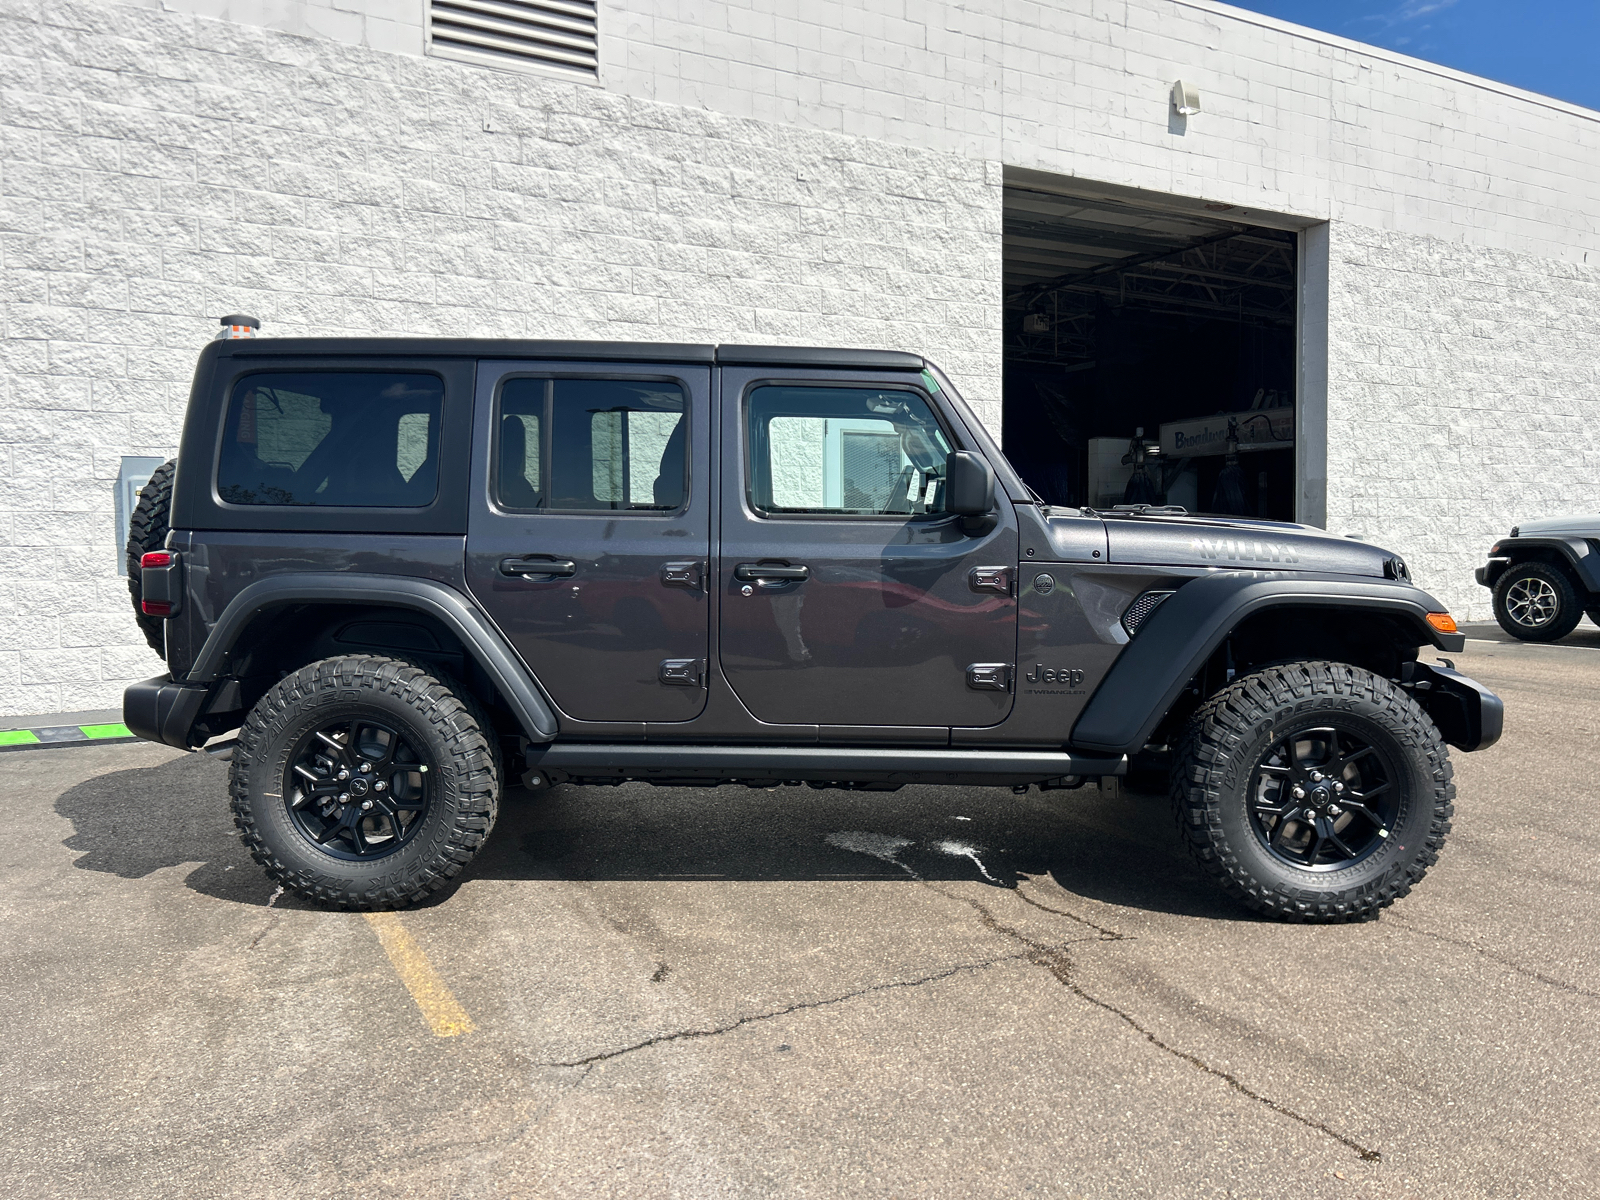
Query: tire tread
[(454, 714), (148, 526), (1217, 733)]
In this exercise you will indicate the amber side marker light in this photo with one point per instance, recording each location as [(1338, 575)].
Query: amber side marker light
[(1443, 622)]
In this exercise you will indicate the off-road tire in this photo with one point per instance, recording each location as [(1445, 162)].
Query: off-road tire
[(1568, 609), (1229, 737), (147, 530), (445, 724)]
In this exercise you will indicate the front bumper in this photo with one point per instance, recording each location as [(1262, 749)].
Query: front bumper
[(164, 711), (1491, 571), (1468, 715)]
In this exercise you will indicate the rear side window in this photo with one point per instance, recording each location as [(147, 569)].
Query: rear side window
[(591, 445), (352, 439), (844, 451)]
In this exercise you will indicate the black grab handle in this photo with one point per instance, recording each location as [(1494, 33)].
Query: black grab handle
[(768, 572), (538, 566)]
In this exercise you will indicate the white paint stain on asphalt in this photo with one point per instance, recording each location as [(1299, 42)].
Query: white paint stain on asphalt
[(963, 850), (876, 845), (887, 848)]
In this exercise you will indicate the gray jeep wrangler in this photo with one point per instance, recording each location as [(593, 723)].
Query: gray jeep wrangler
[(1545, 576), (408, 571)]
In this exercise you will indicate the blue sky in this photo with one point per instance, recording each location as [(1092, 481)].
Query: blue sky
[(1549, 46)]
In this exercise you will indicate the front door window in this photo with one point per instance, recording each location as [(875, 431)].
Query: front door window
[(845, 452)]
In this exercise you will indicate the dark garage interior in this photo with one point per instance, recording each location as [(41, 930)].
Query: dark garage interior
[(1122, 317)]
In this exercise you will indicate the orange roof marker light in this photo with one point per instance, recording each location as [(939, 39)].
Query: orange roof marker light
[(1443, 622), (237, 325)]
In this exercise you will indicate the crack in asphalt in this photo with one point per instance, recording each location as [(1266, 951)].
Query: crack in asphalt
[(1548, 980), (1056, 959), (1060, 965), (801, 1006), (277, 915), (1106, 935)]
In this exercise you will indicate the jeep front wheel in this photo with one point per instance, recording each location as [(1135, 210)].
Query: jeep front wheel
[(365, 782), (1314, 791), (1536, 602)]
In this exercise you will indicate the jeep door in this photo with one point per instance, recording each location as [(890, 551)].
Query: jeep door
[(588, 535), (848, 596)]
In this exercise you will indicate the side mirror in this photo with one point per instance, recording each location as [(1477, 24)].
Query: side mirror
[(968, 486)]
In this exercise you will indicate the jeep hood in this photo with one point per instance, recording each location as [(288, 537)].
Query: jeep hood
[(1576, 525), (1194, 541)]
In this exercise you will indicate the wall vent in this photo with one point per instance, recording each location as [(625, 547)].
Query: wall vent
[(519, 35)]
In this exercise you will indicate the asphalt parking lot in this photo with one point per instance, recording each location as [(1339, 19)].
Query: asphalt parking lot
[(708, 993)]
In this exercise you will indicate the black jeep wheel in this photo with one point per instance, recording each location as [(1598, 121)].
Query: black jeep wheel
[(1536, 602), (147, 530), (1314, 791), (365, 782)]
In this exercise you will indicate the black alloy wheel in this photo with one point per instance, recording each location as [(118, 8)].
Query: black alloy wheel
[(1536, 602), (1313, 791), (1323, 799), (365, 782), (357, 788)]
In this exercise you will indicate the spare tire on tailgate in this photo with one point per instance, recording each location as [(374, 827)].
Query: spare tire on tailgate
[(147, 530)]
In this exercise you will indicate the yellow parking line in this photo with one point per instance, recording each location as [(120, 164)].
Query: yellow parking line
[(443, 1012)]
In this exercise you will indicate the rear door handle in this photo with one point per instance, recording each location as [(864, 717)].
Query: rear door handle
[(770, 573), (538, 564)]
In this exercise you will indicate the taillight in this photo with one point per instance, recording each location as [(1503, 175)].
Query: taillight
[(1443, 622), (156, 608), (156, 558)]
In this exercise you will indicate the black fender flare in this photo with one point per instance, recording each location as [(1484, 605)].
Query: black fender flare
[(1175, 641), (457, 613), (1578, 553)]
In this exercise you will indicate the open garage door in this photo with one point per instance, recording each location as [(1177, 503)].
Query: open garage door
[(1150, 350)]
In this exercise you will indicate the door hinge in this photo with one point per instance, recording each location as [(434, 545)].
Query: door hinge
[(989, 677), (682, 574), (682, 672), (990, 579)]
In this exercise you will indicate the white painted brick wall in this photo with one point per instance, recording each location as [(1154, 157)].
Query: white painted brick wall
[(157, 169), (1294, 121), (393, 25), (1464, 389)]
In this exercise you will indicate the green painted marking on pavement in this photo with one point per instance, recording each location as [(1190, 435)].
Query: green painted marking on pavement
[(18, 737), (117, 730)]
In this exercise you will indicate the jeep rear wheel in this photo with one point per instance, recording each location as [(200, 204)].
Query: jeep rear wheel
[(365, 782), (1314, 791), (1536, 602)]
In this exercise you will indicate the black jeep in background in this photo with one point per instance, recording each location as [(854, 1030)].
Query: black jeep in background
[(410, 570)]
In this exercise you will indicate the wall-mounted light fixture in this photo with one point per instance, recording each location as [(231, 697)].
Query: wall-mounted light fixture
[(1035, 323), (1185, 98)]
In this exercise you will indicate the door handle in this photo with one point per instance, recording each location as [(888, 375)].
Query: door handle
[(770, 573), (681, 574), (538, 564)]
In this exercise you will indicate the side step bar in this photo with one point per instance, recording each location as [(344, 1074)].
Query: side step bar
[(595, 762)]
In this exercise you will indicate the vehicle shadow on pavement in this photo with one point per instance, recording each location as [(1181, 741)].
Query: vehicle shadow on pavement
[(136, 822), (1586, 635), (1117, 849)]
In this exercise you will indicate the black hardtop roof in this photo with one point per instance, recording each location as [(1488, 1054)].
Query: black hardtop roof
[(517, 348)]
